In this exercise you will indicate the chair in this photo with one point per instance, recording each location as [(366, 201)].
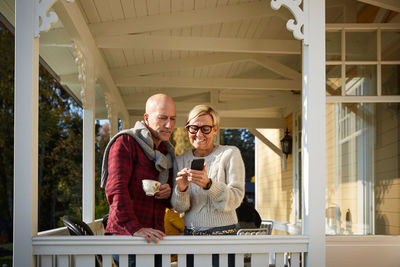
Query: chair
[(105, 220), (78, 227)]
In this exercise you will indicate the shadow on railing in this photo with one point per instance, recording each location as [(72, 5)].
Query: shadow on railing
[(81, 250)]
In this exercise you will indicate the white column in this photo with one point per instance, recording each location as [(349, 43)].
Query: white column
[(112, 114), (25, 133), (314, 133), (88, 183)]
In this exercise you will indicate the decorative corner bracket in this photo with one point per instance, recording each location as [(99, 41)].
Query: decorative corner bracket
[(43, 17), (299, 15)]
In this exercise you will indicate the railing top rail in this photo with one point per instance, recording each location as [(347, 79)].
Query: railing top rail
[(171, 244)]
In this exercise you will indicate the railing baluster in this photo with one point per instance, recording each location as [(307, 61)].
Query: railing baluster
[(107, 261), (166, 259), (259, 259), (181, 260), (62, 261), (223, 260), (239, 260), (279, 260), (46, 261), (123, 260), (84, 260), (145, 260), (201, 260), (295, 260)]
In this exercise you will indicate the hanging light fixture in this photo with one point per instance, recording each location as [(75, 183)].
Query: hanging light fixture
[(286, 143)]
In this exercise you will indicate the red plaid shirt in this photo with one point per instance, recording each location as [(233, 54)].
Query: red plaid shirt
[(130, 208)]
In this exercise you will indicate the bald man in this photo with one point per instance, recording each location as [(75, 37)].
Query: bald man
[(131, 156)]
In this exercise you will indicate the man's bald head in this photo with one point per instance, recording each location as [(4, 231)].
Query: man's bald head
[(160, 117), (157, 100)]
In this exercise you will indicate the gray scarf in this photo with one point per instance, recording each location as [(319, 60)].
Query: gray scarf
[(143, 136)]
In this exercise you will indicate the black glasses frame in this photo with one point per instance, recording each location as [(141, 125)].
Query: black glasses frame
[(193, 129)]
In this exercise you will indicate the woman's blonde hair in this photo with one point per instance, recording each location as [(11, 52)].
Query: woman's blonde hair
[(201, 110)]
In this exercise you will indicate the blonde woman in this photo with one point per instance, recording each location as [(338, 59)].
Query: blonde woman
[(209, 197)]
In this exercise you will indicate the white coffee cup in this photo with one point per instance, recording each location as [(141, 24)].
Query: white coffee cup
[(150, 187)]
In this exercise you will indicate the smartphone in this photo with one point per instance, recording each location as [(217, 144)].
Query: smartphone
[(197, 164)]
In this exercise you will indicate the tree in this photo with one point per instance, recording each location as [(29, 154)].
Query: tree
[(244, 140), (6, 133)]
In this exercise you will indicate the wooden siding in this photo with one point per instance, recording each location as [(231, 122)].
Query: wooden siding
[(274, 185)]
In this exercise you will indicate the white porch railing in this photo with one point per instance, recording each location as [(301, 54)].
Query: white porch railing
[(249, 250)]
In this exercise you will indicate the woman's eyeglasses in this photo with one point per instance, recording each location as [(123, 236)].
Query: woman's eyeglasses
[(193, 129)]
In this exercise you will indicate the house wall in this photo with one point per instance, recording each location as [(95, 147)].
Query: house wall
[(274, 185), (387, 176)]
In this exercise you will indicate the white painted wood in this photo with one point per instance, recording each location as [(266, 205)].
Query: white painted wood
[(107, 261), (386, 4), (46, 261), (181, 260), (279, 260), (362, 26), (181, 19), (265, 140), (207, 44), (25, 223), (362, 99), (84, 260), (74, 22), (88, 183), (258, 259), (223, 260), (239, 260), (145, 260), (63, 261), (123, 260), (178, 64), (277, 67), (216, 83), (295, 260), (201, 260), (166, 259), (313, 133)]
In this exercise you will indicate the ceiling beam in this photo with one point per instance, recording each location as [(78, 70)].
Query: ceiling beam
[(234, 123), (207, 44), (265, 140), (178, 82), (75, 24), (178, 64), (393, 5), (277, 67), (184, 19), (281, 101)]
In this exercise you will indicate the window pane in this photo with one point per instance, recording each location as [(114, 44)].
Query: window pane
[(390, 79), (360, 80), (333, 80), (363, 174), (390, 45), (333, 46), (361, 46)]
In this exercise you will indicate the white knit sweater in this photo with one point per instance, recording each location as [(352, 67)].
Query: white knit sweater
[(216, 206)]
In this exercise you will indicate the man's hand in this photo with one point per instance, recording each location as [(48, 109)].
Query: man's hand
[(150, 234), (164, 193)]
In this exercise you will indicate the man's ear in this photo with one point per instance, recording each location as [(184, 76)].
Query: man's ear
[(146, 118)]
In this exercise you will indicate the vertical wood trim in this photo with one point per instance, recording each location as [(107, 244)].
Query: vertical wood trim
[(201, 260), (88, 183), (314, 133), (181, 260), (25, 133), (239, 260), (62, 261), (84, 260)]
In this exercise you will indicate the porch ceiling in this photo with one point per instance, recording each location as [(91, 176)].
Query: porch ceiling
[(235, 55)]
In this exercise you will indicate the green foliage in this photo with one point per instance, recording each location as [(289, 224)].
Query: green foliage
[(244, 140), (60, 149), (6, 133)]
